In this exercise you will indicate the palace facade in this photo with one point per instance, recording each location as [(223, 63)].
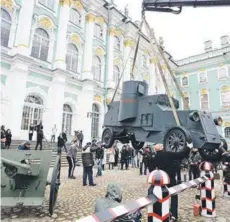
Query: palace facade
[(61, 61)]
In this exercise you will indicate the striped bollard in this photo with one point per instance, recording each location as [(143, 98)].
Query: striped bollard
[(226, 173), (207, 191), (159, 212)]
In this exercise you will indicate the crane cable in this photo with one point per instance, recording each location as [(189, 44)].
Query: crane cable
[(126, 62), (154, 42)]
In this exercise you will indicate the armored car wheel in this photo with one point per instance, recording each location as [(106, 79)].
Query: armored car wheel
[(176, 138), (108, 137), (215, 154), (55, 183)]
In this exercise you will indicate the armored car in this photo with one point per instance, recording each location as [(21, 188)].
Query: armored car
[(139, 118)]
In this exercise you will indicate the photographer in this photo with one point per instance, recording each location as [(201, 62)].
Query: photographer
[(88, 162), (165, 160)]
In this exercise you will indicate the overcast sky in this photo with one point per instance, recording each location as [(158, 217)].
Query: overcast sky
[(184, 34)]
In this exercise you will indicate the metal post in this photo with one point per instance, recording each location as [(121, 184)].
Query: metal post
[(207, 191), (160, 210), (226, 174)]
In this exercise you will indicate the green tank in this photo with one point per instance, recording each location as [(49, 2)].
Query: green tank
[(25, 175)]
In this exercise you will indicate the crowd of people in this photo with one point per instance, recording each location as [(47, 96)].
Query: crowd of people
[(6, 137)]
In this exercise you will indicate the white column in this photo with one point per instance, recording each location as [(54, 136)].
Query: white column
[(85, 102), (110, 81), (88, 51), (24, 28), (61, 36), (127, 49), (54, 111), (16, 92)]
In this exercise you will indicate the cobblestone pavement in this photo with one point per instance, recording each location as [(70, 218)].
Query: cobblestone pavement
[(75, 201)]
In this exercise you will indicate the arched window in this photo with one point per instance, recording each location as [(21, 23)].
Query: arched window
[(95, 121), (40, 46), (97, 68), (72, 58), (204, 100), (98, 31), (75, 17), (225, 96), (48, 3), (67, 119), (117, 43), (5, 27), (184, 81), (227, 132), (116, 74), (32, 111)]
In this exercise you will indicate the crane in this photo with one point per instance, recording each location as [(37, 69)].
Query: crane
[(167, 5)]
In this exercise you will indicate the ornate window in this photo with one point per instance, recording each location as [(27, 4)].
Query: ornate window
[(97, 68), (98, 31), (227, 132), (222, 73), (48, 3), (72, 58), (5, 27), (67, 119), (144, 61), (202, 77), (95, 121), (204, 100), (75, 17), (187, 101), (32, 111), (116, 74), (40, 45), (184, 81), (117, 43), (225, 96)]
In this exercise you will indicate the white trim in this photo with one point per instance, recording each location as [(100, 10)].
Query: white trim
[(206, 77), (54, 12), (38, 91), (221, 104), (72, 103), (200, 98), (218, 73)]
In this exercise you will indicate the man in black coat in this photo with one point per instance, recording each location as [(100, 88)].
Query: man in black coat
[(88, 163), (165, 160), (124, 157)]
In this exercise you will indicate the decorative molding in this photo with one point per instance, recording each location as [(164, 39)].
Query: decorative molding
[(173, 94), (46, 22), (99, 52), (75, 39), (146, 77), (100, 20), (183, 74), (77, 5), (221, 65), (90, 18), (66, 2), (97, 98), (117, 61), (8, 4), (115, 32), (227, 124), (225, 88), (152, 60), (185, 94), (164, 67), (108, 100), (129, 43), (203, 91)]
